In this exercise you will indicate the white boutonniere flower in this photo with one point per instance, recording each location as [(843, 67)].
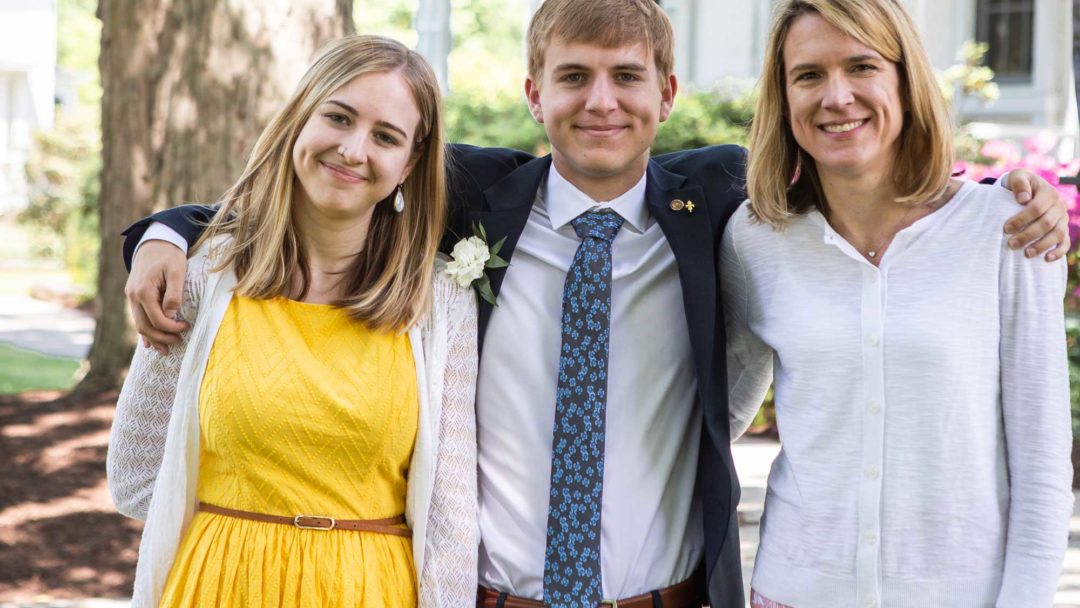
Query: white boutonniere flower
[(469, 260)]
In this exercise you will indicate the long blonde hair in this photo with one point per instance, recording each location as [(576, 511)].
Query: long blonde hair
[(925, 158), (388, 285)]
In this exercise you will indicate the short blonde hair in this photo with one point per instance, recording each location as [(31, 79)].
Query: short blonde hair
[(388, 286), (606, 23), (925, 158)]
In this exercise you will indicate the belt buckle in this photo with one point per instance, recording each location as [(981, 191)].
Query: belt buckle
[(304, 522), (612, 603)]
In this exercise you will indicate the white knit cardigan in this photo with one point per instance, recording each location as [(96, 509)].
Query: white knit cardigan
[(153, 459)]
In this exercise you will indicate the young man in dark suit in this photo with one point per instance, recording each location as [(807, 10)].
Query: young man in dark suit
[(605, 467)]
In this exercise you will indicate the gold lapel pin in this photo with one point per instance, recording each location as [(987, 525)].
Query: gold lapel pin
[(677, 205), (690, 206)]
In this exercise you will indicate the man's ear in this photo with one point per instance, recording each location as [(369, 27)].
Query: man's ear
[(667, 96), (532, 94)]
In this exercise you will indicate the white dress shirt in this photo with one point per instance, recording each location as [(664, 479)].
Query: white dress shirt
[(923, 408), (650, 520), (651, 530)]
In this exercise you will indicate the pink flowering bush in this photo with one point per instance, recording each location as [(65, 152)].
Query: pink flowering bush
[(995, 157)]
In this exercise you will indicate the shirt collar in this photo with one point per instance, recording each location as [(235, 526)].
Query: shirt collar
[(565, 202)]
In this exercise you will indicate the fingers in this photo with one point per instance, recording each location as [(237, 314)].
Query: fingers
[(150, 336), (154, 290), (1059, 251), (1021, 183), (174, 291), (1026, 218), (1044, 235)]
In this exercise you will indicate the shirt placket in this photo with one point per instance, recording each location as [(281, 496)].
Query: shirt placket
[(868, 551), (872, 414)]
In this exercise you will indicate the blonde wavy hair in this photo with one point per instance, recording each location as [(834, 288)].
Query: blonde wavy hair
[(924, 161), (388, 285)]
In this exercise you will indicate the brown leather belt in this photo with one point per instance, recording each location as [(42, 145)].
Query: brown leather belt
[(687, 594), (317, 522)]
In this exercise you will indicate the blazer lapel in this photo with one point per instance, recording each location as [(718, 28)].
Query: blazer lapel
[(508, 205), (689, 232)]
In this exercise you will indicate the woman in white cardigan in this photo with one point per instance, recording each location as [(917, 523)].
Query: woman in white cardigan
[(919, 364), (319, 411)]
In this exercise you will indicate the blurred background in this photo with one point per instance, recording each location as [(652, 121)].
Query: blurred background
[(111, 110)]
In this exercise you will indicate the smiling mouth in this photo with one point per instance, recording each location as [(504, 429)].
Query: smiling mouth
[(843, 127), (602, 130), (343, 173)]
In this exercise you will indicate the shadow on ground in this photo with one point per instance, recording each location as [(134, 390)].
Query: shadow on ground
[(59, 533)]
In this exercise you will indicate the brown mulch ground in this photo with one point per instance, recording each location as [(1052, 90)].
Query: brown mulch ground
[(60, 535)]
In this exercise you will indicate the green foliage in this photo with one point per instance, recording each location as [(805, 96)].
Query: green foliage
[(23, 370), (501, 120), (62, 214), (391, 18), (78, 46), (705, 118)]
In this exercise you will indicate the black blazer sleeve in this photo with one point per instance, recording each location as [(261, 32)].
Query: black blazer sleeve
[(188, 221)]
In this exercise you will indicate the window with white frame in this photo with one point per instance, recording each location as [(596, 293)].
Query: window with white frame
[(1008, 27)]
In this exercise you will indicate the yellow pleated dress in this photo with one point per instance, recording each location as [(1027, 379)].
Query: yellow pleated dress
[(301, 411)]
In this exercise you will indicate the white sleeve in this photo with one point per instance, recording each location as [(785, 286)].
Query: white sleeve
[(749, 359), (1038, 433), (143, 409), (160, 232), (449, 574)]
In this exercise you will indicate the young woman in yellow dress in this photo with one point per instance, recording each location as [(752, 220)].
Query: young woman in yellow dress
[(311, 441)]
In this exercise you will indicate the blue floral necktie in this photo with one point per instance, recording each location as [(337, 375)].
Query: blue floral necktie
[(572, 557)]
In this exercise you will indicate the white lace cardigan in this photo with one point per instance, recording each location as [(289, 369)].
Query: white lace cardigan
[(154, 447)]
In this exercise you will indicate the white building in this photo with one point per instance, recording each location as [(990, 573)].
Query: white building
[(27, 88), (1030, 51)]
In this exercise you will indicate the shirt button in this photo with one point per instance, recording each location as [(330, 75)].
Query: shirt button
[(869, 601), (873, 472), (875, 407), (870, 538), (873, 340)]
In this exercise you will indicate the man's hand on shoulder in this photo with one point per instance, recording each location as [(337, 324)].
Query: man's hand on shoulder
[(1042, 226), (154, 289)]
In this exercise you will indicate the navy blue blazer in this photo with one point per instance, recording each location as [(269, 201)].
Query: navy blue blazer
[(498, 187)]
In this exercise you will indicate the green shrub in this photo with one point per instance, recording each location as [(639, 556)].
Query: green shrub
[(705, 118), (62, 214), (502, 119)]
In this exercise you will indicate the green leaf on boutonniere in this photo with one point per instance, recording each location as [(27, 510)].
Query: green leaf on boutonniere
[(483, 287), (497, 246), (496, 262), (478, 229)]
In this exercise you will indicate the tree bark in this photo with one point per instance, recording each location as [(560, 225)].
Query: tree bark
[(188, 85)]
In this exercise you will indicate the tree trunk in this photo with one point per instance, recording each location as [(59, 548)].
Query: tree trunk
[(188, 85)]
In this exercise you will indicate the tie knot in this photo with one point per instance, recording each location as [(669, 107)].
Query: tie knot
[(602, 224)]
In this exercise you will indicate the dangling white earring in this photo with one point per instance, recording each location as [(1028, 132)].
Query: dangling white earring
[(399, 200)]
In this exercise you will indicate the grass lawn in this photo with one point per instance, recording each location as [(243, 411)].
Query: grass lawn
[(23, 370)]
